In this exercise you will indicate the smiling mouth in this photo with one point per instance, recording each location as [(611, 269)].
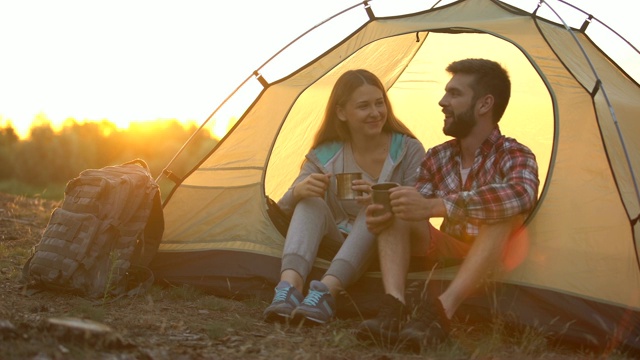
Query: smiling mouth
[(447, 114)]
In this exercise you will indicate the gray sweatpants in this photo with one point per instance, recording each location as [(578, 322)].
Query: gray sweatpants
[(312, 224)]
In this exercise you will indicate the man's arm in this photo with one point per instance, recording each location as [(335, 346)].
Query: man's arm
[(409, 205), (406, 204)]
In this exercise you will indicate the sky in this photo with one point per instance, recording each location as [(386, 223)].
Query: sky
[(141, 60)]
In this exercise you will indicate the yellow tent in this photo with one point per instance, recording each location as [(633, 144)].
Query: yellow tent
[(577, 273)]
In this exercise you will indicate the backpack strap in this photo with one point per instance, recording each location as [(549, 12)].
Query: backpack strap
[(142, 277), (139, 162)]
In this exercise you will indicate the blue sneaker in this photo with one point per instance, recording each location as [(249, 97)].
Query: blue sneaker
[(319, 306), (287, 298)]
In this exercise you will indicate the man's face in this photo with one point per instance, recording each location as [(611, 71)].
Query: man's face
[(457, 106)]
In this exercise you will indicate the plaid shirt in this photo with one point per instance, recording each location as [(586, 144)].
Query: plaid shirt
[(503, 182)]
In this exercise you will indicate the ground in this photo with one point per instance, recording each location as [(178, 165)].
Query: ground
[(183, 323)]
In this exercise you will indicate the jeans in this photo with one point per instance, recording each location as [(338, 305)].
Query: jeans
[(313, 227)]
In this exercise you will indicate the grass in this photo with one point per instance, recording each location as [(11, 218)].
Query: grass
[(185, 315), (185, 322), (85, 309), (49, 192), (109, 285)]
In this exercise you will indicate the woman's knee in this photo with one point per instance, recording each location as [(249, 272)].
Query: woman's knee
[(312, 203), (313, 207)]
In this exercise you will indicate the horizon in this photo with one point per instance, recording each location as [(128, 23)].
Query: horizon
[(218, 130)]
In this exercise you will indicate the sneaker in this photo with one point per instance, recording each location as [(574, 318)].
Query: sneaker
[(319, 306), (428, 327), (385, 327), (287, 298)]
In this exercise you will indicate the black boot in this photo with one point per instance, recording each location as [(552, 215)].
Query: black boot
[(385, 327), (429, 326)]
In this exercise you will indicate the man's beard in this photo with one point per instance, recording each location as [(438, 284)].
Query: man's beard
[(461, 125)]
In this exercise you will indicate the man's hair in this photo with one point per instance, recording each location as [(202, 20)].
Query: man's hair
[(489, 78)]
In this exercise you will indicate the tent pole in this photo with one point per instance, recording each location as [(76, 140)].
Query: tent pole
[(601, 87)]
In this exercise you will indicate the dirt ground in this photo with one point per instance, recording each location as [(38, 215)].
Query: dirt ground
[(165, 323), (181, 323)]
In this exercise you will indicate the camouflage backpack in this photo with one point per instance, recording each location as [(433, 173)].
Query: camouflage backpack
[(99, 242)]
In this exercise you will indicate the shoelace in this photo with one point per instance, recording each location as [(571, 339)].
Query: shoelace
[(427, 314), (430, 314), (281, 295), (313, 297)]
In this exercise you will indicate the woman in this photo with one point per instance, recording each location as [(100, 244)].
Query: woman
[(359, 133)]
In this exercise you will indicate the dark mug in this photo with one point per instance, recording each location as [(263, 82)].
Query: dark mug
[(380, 194)]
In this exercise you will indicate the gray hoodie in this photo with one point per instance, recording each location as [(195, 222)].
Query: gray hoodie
[(405, 156)]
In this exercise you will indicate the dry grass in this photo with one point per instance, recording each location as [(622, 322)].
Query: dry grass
[(184, 323)]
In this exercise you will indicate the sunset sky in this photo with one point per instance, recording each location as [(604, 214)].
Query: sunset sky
[(132, 60)]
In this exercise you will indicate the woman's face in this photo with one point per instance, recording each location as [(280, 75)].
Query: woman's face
[(365, 112)]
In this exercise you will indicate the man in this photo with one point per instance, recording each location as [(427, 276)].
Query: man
[(482, 183)]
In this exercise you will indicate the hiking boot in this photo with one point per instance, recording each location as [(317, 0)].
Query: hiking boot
[(319, 306), (385, 327), (287, 298), (428, 327)]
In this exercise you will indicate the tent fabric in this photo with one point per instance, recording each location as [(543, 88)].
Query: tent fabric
[(574, 272)]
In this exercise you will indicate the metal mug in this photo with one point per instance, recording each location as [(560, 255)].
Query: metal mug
[(344, 182)]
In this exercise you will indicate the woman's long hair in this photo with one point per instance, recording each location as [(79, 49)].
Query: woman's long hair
[(332, 129)]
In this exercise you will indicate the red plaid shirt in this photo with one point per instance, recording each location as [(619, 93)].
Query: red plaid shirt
[(503, 182)]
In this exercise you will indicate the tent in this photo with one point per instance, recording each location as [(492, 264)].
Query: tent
[(575, 273)]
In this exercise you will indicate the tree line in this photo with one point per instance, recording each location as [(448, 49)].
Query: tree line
[(49, 156)]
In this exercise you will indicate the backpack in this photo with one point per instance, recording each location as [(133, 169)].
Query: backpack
[(99, 242)]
